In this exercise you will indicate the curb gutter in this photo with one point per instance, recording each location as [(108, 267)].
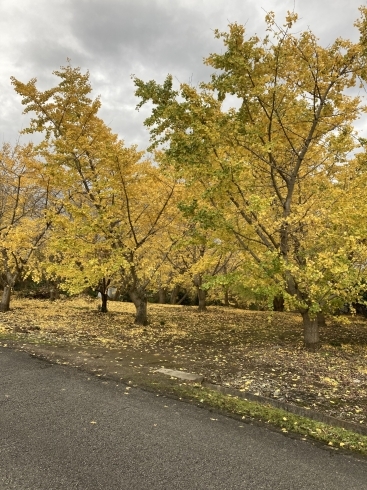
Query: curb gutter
[(288, 407), (303, 412)]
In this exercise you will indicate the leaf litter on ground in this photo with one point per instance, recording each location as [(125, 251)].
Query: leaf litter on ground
[(252, 351)]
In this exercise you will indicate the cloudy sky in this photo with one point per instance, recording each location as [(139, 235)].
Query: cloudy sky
[(149, 38)]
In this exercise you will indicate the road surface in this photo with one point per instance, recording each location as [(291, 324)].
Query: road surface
[(64, 429)]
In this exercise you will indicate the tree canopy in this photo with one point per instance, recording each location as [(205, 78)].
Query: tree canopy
[(272, 171), (265, 197)]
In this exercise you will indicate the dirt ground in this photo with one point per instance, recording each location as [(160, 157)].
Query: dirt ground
[(256, 352)]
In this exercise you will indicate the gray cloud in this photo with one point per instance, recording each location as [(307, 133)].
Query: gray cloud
[(150, 38)]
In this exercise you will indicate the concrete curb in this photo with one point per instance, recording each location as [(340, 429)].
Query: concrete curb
[(181, 375), (288, 407), (303, 412)]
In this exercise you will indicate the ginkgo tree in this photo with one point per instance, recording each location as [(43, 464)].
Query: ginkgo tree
[(197, 257), (272, 169), (145, 208), (25, 194), (115, 201)]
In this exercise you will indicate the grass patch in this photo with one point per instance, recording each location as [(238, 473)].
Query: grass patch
[(286, 422)]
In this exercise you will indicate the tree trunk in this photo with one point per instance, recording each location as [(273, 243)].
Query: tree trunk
[(226, 297), (201, 293), (321, 319), (103, 291), (311, 332), (278, 303), (5, 300), (182, 299), (174, 294), (202, 299), (162, 296), (104, 299), (141, 304), (54, 294)]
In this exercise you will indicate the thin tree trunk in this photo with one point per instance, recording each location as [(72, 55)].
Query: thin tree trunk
[(182, 299), (5, 300), (202, 299), (226, 297), (103, 290), (54, 294), (278, 303), (162, 295), (104, 299), (311, 332), (141, 304), (174, 294), (201, 293)]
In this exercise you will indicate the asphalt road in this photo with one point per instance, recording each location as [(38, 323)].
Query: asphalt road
[(63, 429)]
